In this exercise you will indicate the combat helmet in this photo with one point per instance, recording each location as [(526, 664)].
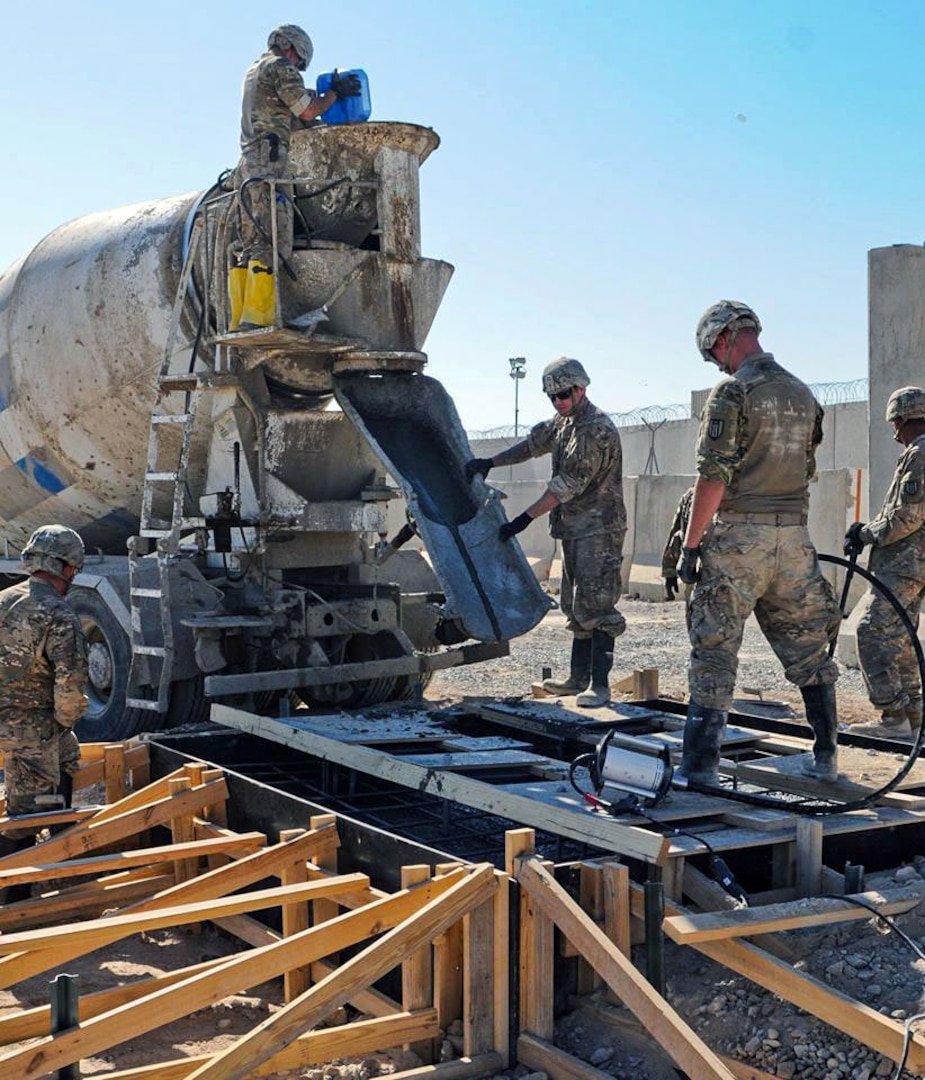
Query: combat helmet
[(52, 548), (906, 403), (290, 34), (723, 315), (563, 374)]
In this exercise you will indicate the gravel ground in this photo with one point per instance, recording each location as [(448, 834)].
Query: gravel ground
[(656, 636), (735, 1017)]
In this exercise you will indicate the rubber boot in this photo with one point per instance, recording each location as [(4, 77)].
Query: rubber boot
[(598, 693), (580, 670), (822, 717), (237, 286), (703, 733), (259, 298), (893, 724), (66, 790)]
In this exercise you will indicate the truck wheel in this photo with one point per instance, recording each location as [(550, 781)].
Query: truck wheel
[(110, 656)]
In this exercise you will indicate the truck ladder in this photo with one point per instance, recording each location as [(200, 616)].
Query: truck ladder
[(160, 475)]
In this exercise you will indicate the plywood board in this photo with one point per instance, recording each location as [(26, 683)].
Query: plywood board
[(859, 773)]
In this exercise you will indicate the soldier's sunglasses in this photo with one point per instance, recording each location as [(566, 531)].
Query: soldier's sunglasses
[(561, 395)]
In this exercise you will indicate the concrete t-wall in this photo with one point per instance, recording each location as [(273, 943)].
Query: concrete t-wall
[(896, 299)]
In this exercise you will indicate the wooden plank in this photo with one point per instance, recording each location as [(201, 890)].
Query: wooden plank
[(271, 1036), (310, 1048), (535, 954), (114, 771), (463, 760), (268, 861), (231, 976), (295, 918), (448, 967), (759, 818), (860, 1022), (236, 845), (102, 829), (817, 911), (32, 951), (683, 1044), (542, 1056), (601, 832), (859, 773), (484, 744), (591, 900), (326, 860), (809, 856), (501, 974), (417, 971), (478, 971), (90, 899), (709, 895), (645, 684)]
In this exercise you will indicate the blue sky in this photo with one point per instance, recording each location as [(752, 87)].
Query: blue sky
[(607, 170)]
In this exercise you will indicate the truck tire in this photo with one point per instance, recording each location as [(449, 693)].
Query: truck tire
[(110, 657)]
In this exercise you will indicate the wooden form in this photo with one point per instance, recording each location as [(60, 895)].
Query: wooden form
[(548, 901), (442, 930)]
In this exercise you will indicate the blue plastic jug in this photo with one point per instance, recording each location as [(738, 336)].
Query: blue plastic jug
[(351, 110)]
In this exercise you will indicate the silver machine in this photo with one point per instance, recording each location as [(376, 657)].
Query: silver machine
[(236, 491)]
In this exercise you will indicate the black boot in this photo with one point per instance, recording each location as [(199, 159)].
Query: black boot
[(598, 693), (822, 717), (66, 790), (580, 673), (703, 733)]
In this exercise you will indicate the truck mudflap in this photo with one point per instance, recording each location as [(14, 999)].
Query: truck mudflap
[(413, 427)]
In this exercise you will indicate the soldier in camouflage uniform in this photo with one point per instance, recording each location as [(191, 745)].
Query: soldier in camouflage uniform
[(897, 535), (43, 673), (585, 502), (747, 547), (274, 100), (673, 545)]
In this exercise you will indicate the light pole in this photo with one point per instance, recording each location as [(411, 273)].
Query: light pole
[(518, 363)]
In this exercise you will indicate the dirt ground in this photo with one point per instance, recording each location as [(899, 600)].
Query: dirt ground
[(721, 1007)]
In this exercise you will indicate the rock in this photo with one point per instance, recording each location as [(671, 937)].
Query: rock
[(601, 1054)]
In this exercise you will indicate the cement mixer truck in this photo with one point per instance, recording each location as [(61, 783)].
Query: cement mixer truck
[(233, 487)]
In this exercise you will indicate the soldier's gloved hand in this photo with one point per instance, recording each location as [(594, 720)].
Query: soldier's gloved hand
[(512, 528), (689, 565), (477, 466), (346, 85), (853, 544), (671, 587)]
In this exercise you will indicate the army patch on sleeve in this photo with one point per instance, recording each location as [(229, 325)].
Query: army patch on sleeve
[(715, 427), (912, 489)]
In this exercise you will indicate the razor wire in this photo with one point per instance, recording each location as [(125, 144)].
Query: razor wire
[(826, 393)]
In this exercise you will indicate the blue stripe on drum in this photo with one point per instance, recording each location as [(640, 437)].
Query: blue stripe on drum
[(41, 474)]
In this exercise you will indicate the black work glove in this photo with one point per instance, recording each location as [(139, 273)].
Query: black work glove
[(688, 565), (477, 466), (346, 85), (671, 588), (512, 528), (853, 544)]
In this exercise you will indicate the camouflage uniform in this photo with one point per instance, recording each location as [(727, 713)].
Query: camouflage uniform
[(673, 545), (887, 660), (590, 520), (43, 672), (273, 97), (758, 435)]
